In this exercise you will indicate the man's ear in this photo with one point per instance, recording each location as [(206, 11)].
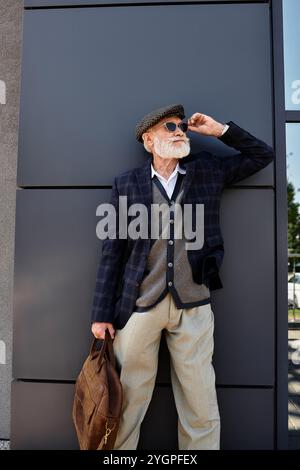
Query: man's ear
[(147, 139), (145, 142)]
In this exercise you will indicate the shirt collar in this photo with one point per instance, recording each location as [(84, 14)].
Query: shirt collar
[(177, 168)]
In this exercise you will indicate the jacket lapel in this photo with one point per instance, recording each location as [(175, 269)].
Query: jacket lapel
[(143, 175), (189, 166)]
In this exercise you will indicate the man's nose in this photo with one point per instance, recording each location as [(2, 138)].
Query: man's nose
[(179, 131)]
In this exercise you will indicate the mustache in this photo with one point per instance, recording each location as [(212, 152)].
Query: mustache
[(182, 139)]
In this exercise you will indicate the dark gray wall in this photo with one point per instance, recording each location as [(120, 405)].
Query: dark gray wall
[(246, 418), (39, 3), (84, 87), (56, 256)]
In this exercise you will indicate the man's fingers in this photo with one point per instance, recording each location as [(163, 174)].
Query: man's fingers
[(196, 117), (112, 332), (98, 334), (193, 128), (101, 332)]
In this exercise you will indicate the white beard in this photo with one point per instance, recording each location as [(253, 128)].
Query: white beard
[(168, 149)]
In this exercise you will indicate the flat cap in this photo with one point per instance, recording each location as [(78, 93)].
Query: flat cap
[(155, 116)]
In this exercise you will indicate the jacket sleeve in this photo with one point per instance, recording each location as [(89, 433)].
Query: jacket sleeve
[(254, 155), (109, 270)]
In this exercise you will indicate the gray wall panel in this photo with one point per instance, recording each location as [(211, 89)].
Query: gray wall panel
[(56, 256), (244, 308), (247, 418), (57, 251), (37, 3), (84, 88), (41, 418)]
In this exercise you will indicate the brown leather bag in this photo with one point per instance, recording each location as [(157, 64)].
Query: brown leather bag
[(98, 398)]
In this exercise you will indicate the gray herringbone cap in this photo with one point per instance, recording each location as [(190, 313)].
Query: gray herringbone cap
[(155, 116)]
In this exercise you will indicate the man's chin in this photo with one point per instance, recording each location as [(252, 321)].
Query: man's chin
[(183, 156), (174, 156)]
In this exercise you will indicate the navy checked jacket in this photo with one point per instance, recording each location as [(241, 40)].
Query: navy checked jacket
[(123, 261)]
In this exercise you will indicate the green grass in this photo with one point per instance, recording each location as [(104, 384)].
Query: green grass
[(297, 314)]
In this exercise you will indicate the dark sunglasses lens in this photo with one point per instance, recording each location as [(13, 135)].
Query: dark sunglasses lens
[(183, 126), (171, 126)]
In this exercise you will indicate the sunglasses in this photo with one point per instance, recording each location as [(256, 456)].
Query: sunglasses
[(172, 126)]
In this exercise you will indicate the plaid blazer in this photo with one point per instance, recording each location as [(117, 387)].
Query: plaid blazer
[(123, 261)]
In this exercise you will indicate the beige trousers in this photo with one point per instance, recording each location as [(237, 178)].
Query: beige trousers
[(189, 336)]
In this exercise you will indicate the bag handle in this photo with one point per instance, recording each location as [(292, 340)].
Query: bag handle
[(106, 349), (109, 351)]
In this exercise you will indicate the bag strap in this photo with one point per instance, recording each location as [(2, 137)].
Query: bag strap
[(109, 351), (106, 349)]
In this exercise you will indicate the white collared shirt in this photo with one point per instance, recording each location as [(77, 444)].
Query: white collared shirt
[(225, 129), (168, 184)]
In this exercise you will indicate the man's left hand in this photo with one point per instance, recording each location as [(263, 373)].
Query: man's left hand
[(205, 125)]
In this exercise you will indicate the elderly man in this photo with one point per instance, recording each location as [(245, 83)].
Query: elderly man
[(149, 285)]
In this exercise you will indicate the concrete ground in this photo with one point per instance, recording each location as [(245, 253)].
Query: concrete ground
[(4, 445)]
